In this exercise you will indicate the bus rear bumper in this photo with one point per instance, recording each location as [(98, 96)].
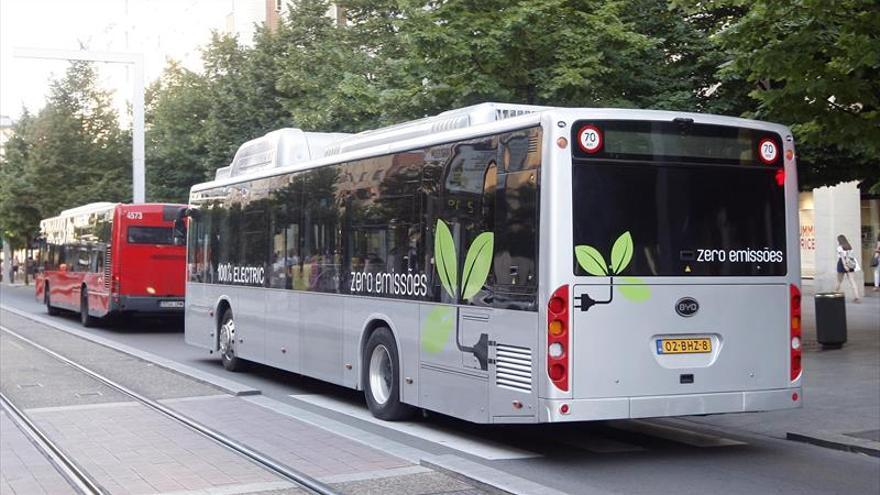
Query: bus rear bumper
[(149, 305), (670, 405)]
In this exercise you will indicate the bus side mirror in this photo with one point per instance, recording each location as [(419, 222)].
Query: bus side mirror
[(180, 224), (179, 232)]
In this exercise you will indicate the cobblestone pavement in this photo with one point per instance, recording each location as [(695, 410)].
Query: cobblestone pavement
[(24, 468), (129, 448)]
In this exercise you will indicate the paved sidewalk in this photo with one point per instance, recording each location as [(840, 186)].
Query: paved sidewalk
[(25, 469), (315, 451), (129, 448), (841, 387)]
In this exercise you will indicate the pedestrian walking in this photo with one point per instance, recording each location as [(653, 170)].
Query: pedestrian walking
[(847, 264), (15, 265), (875, 262)]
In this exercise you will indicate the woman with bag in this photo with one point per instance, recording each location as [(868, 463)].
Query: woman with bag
[(875, 262), (846, 265)]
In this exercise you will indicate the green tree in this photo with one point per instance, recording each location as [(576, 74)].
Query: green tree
[(327, 74), (679, 69), (177, 109), (70, 153), (558, 52), (19, 217), (243, 103), (814, 66)]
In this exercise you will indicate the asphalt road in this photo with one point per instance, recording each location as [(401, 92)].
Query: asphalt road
[(678, 456)]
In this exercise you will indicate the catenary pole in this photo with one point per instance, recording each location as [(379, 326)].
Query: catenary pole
[(136, 60)]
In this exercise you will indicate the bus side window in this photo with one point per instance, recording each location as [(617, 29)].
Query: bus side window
[(207, 243), (60, 256), (322, 247), (96, 260), (83, 259), (382, 235), (43, 256), (285, 206), (71, 257), (516, 224), (254, 239), (461, 196)]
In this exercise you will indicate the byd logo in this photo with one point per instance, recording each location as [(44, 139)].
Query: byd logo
[(687, 306)]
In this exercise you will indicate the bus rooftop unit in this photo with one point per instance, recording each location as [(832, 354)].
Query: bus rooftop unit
[(511, 264), (104, 259)]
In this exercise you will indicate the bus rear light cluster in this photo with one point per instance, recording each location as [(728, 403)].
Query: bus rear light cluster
[(557, 338), (795, 331)]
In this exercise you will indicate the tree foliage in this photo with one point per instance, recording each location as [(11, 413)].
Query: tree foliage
[(814, 66), (70, 153), (395, 60), (176, 111)]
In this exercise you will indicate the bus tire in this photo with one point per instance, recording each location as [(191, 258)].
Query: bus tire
[(226, 342), (382, 377), (85, 318), (50, 310)]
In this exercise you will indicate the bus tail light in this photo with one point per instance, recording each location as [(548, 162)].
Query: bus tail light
[(557, 338), (114, 284), (795, 332)]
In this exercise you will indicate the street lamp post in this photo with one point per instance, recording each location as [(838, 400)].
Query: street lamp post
[(137, 131)]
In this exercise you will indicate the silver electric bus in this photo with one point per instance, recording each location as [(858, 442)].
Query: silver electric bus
[(511, 264)]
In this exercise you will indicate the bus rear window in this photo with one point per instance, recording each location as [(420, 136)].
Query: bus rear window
[(150, 235), (685, 220)]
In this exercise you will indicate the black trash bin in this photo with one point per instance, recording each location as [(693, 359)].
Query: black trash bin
[(831, 320)]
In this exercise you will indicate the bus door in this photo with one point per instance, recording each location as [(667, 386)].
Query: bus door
[(65, 286)]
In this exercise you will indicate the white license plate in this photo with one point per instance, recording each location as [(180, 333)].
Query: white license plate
[(170, 304)]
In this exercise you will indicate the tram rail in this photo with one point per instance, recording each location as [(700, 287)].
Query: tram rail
[(300, 479)]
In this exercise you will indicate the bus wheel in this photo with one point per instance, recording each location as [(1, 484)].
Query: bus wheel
[(382, 377), (227, 343), (50, 310), (85, 318)]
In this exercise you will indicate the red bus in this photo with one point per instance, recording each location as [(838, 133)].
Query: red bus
[(106, 259)]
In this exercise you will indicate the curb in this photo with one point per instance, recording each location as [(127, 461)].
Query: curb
[(837, 441), (229, 386), (490, 479)]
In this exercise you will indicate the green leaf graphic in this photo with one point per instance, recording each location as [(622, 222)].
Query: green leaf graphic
[(621, 253), (477, 265), (635, 293), (438, 326), (591, 260), (445, 258)]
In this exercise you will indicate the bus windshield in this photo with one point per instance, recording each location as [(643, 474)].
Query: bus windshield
[(686, 218), (150, 235)]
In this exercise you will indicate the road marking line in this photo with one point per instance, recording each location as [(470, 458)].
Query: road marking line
[(671, 433), (462, 442)]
